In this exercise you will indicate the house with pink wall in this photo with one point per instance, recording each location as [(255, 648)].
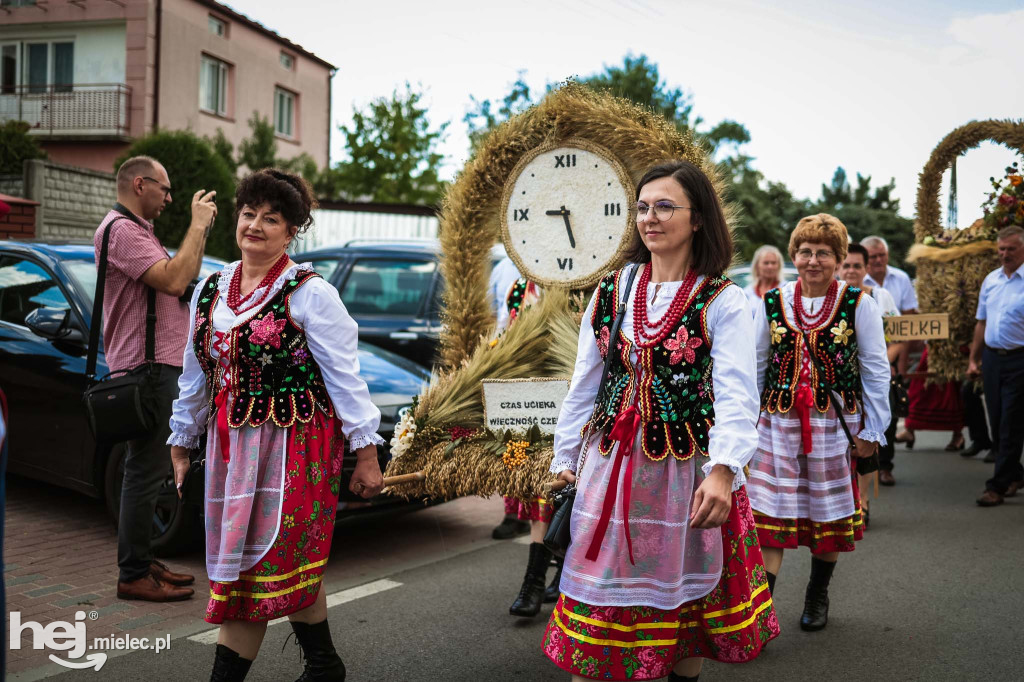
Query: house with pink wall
[(89, 76)]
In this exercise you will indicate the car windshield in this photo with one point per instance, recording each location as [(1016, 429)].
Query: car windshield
[(84, 273)]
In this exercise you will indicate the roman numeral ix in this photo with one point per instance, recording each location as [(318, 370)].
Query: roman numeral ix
[(520, 214)]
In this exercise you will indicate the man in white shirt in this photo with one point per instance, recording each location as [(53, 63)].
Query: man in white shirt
[(892, 279), (997, 353)]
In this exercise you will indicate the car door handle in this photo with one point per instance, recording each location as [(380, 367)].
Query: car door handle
[(404, 336)]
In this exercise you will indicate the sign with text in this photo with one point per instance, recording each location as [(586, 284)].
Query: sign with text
[(519, 404), (917, 327)]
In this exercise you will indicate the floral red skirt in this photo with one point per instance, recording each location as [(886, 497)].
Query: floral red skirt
[(936, 406), (534, 510), (820, 537), (731, 624), (287, 579)]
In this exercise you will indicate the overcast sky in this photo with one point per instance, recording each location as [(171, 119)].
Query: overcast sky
[(872, 86)]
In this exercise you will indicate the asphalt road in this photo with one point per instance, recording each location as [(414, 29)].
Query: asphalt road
[(934, 592)]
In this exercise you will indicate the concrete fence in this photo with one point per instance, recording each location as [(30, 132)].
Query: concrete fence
[(72, 200)]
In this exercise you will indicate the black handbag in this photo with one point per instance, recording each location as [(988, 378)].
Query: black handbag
[(558, 537), (120, 405), (899, 401), (864, 465)]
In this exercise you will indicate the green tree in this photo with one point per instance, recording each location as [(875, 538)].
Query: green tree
[(482, 119), (392, 153), (869, 211), (259, 150), (192, 164), (17, 146), (767, 210), (224, 149)]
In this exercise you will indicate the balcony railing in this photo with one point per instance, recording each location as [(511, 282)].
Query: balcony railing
[(69, 110)]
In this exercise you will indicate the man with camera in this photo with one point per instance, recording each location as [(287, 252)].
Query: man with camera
[(136, 263)]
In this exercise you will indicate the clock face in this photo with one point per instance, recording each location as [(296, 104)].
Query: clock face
[(565, 213)]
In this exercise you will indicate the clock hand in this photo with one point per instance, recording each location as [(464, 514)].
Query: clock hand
[(564, 212)]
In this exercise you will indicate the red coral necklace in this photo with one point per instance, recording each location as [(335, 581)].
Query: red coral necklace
[(235, 286), (808, 322), (662, 327)]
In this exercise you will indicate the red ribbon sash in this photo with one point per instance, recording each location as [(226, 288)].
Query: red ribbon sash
[(223, 432), (804, 402), (624, 431)]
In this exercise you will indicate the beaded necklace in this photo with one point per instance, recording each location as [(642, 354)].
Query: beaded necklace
[(664, 326), (235, 286), (808, 322)]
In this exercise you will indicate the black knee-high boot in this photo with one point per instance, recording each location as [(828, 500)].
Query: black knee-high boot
[(552, 591), (673, 677), (322, 662), (815, 615), (771, 582), (228, 666), (531, 594)]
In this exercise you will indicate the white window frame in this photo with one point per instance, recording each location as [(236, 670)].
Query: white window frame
[(23, 63), (221, 69), (287, 61), (284, 116), (217, 26)]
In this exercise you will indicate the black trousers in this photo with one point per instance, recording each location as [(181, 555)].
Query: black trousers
[(1004, 393), (974, 416), (146, 466), (887, 452)]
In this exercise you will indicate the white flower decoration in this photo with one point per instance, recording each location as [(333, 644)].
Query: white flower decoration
[(404, 434)]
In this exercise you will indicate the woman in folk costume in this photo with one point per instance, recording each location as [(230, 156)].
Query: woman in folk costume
[(818, 339), (272, 377), (664, 568), (522, 294)]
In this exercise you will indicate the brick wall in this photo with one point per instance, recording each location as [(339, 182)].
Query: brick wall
[(20, 222), (73, 200)]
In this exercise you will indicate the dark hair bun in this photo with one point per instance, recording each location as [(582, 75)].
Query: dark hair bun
[(288, 194)]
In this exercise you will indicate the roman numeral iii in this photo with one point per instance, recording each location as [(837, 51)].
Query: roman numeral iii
[(613, 209)]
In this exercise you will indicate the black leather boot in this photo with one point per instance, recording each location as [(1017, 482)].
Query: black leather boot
[(815, 615), (322, 662), (228, 666), (771, 582), (531, 594), (673, 677), (552, 591)]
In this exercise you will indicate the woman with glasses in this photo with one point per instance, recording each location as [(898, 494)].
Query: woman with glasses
[(664, 568), (765, 275), (819, 340)]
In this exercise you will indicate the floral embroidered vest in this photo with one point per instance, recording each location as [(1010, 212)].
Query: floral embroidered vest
[(834, 345), (274, 374), (673, 391), (514, 300)]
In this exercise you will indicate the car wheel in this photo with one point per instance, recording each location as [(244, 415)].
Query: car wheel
[(175, 525)]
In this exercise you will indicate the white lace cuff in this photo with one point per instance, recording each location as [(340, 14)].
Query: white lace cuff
[(739, 478), (184, 440), (872, 436), (362, 441), (560, 464)]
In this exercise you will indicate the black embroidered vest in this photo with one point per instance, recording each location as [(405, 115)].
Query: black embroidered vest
[(514, 300), (834, 345), (673, 391), (274, 374)]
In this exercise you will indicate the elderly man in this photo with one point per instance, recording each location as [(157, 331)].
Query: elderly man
[(136, 263), (890, 278), (997, 353)]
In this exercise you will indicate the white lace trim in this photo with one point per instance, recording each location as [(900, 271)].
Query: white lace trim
[(184, 440), (872, 436), (362, 441), (229, 270), (560, 464), (739, 478), (635, 521), (244, 495)]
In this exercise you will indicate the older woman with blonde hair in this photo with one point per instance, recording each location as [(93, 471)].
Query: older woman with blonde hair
[(824, 381), (765, 274)]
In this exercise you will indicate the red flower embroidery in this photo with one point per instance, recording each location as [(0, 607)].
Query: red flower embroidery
[(602, 341), (682, 347), (267, 331)]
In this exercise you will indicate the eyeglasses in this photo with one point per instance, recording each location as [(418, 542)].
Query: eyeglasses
[(165, 188), (662, 209), (822, 255)]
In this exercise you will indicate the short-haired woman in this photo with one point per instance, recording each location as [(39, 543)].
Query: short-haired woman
[(272, 377), (816, 338), (664, 567), (765, 275)]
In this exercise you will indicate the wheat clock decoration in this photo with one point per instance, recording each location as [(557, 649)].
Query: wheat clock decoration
[(565, 213)]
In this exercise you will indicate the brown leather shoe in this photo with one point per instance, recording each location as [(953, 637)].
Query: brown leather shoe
[(166, 575), (1011, 490), (885, 477), (990, 498), (148, 588)]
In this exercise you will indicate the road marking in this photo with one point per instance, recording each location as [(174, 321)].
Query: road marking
[(340, 597)]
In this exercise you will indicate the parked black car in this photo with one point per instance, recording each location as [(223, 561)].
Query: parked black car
[(392, 289), (46, 292)]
